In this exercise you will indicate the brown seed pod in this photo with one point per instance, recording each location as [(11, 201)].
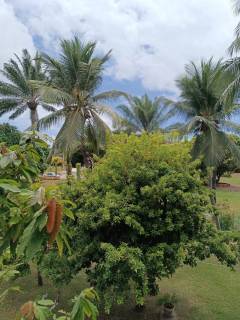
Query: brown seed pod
[(27, 310), (58, 221), (51, 211)]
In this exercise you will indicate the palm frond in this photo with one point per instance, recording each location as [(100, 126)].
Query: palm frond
[(71, 135), (50, 120), (51, 94), (230, 126), (20, 110), (18, 87), (7, 105), (109, 95), (48, 107)]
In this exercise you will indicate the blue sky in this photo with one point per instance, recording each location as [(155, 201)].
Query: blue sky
[(151, 40)]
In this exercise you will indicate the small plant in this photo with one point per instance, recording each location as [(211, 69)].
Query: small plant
[(168, 302), (168, 299)]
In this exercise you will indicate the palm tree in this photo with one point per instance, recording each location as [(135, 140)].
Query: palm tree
[(235, 46), (207, 116), (74, 79), (144, 114), (232, 65), (17, 95)]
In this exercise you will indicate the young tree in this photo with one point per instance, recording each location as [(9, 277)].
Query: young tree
[(25, 208), (142, 212), (74, 79), (17, 93), (143, 114)]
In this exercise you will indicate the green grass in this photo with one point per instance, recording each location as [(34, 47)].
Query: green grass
[(209, 291), (234, 179), (229, 200)]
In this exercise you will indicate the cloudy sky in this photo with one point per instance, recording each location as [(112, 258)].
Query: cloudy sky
[(152, 40)]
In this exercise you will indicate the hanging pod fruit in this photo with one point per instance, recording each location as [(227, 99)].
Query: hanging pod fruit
[(27, 310), (51, 211), (57, 225)]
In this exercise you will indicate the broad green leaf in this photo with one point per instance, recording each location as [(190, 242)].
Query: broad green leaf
[(45, 302), (68, 212), (59, 241), (9, 187)]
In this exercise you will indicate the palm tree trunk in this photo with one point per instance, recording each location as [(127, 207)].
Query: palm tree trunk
[(87, 159), (34, 116), (212, 185), (69, 169), (69, 165)]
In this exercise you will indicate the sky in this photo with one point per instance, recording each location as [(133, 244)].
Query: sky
[(151, 40)]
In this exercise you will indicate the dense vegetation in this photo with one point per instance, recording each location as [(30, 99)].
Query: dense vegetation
[(145, 204), (141, 214)]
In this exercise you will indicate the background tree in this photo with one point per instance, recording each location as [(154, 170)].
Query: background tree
[(142, 213), (17, 93), (207, 117), (74, 79), (10, 135), (228, 165), (144, 114)]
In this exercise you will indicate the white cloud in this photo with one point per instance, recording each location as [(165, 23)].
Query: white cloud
[(14, 34), (151, 40)]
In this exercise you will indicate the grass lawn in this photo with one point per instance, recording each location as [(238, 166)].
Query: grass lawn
[(230, 200), (234, 179), (209, 291)]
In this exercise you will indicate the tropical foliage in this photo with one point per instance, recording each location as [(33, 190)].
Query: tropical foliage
[(228, 165), (207, 117), (74, 79), (9, 135), (144, 114), (7, 273), (84, 307), (142, 212), (23, 204), (17, 93)]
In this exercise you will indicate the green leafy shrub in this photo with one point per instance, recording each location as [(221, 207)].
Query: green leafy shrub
[(56, 268), (141, 213), (9, 135)]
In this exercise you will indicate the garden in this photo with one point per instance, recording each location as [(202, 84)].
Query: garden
[(139, 219)]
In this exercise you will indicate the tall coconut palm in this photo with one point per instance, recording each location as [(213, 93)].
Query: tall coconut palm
[(232, 65), (17, 94), (235, 46), (207, 117), (144, 114), (74, 79)]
